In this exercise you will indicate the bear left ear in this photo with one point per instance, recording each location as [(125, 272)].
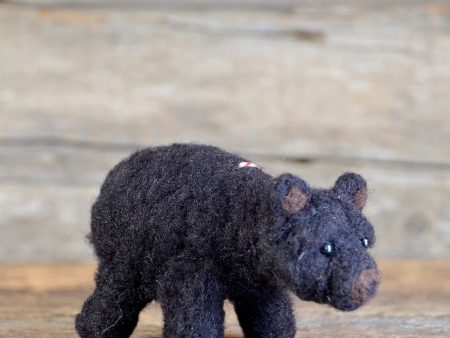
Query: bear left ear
[(290, 194), (354, 187)]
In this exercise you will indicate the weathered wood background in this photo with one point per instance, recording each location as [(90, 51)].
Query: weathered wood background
[(312, 87)]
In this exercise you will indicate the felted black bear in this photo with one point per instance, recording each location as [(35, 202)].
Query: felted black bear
[(191, 225)]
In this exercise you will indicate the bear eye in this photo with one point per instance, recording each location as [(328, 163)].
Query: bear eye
[(327, 249), (365, 242)]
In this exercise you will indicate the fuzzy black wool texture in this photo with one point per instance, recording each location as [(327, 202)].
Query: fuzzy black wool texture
[(187, 226)]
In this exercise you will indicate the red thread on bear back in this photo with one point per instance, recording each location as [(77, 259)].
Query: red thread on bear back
[(247, 165)]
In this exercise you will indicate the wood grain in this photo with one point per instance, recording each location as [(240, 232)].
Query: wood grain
[(414, 300), (360, 79), (47, 191), (311, 87)]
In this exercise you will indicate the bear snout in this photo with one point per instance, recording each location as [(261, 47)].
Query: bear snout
[(365, 286)]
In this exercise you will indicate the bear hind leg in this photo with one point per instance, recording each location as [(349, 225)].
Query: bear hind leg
[(113, 308)]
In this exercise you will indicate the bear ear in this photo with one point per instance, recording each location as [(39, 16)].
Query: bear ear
[(353, 187), (290, 195)]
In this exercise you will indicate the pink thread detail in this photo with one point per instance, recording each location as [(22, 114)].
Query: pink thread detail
[(247, 165)]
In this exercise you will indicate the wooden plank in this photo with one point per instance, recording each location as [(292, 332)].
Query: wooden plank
[(41, 301), (319, 89), (46, 193), (171, 5), (213, 4), (371, 83), (44, 223)]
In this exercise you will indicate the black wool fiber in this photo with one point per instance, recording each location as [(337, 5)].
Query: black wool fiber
[(186, 225)]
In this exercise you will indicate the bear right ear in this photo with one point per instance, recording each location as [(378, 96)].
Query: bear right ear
[(354, 187), (290, 195)]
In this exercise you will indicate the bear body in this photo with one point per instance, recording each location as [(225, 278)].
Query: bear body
[(192, 225)]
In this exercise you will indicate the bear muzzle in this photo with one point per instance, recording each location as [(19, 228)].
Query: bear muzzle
[(365, 286)]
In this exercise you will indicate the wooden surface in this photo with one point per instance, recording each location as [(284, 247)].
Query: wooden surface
[(414, 301), (311, 87), (45, 215), (365, 79)]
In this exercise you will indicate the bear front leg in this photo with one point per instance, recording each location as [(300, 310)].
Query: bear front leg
[(268, 314), (191, 298), (112, 311)]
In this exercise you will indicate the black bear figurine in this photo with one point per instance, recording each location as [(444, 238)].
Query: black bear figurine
[(192, 225)]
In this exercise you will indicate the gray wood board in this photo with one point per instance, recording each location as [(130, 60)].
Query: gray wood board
[(317, 89), (355, 80), (46, 193)]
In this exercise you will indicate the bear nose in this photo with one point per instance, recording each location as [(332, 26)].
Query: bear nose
[(365, 286)]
